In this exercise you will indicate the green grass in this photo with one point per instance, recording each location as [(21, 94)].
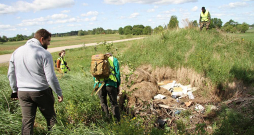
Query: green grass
[(250, 30), (221, 58), (9, 47)]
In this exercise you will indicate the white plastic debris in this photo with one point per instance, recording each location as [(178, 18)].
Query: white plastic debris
[(159, 96), (169, 85), (191, 96), (199, 108)]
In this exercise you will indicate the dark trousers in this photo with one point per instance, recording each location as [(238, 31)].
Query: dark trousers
[(112, 93), (29, 101)]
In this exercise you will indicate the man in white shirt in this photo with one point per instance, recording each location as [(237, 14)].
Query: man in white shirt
[(32, 79)]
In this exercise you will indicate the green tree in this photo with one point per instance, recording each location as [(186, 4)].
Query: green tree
[(127, 30), (99, 30), (215, 23), (147, 30), (80, 33), (158, 29), (194, 23), (138, 29), (230, 26), (244, 27), (173, 23), (109, 31), (19, 37), (120, 30)]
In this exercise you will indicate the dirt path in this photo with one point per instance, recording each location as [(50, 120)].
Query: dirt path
[(5, 58)]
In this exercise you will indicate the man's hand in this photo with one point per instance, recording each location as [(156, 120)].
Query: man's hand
[(60, 98), (14, 96)]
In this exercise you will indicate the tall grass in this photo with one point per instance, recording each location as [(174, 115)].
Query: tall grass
[(219, 57), (215, 55)]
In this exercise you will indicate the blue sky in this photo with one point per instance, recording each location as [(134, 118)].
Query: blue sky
[(57, 16)]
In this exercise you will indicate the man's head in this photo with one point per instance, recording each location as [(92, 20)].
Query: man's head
[(203, 9), (44, 37), (62, 53), (109, 54)]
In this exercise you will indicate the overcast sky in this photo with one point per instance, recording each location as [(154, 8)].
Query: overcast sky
[(57, 16)]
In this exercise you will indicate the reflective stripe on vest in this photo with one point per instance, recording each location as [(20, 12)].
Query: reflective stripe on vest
[(112, 75), (62, 65), (204, 16)]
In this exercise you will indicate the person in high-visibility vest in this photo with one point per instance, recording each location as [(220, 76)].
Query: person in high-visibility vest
[(111, 87), (61, 63), (205, 18)]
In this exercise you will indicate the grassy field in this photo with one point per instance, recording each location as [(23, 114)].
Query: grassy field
[(221, 58), (9, 47), (250, 30)]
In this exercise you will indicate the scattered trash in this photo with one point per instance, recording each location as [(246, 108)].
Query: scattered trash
[(178, 90), (199, 108), (159, 96), (191, 96), (177, 112), (177, 100), (161, 122), (169, 85), (188, 103)]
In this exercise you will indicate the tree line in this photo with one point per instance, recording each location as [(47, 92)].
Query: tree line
[(231, 27)]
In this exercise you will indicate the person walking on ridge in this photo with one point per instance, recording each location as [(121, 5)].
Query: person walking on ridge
[(205, 18), (32, 79)]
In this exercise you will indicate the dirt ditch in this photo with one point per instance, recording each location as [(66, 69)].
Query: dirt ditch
[(139, 88)]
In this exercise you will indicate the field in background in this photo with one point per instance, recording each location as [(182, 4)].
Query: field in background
[(250, 30), (9, 47), (221, 58)]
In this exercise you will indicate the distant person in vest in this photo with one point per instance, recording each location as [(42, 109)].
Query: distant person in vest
[(61, 63), (110, 88), (205, 18), (32, 79)]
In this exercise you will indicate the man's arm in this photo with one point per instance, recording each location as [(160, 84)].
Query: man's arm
[(51, 76), (117, 72), (12, 76), (209, 17)]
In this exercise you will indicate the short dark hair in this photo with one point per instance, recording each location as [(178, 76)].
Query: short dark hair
[(42, 33), (61, 52), (203, 8)]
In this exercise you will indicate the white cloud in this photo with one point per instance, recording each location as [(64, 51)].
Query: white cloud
[(94, 13), (36, 5), (235, 5), (122, 17), (59, 16), (150, 10), (5, 26), (119, 2), (194, 8), (31, 22), (88, 19), (134, 15), (170, 11), (18, 17), (85, 4), (65, 11), (150, 20)]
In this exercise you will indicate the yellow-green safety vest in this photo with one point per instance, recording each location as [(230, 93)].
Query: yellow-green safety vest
[(204, 16), (62, 65), (112, 75)]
